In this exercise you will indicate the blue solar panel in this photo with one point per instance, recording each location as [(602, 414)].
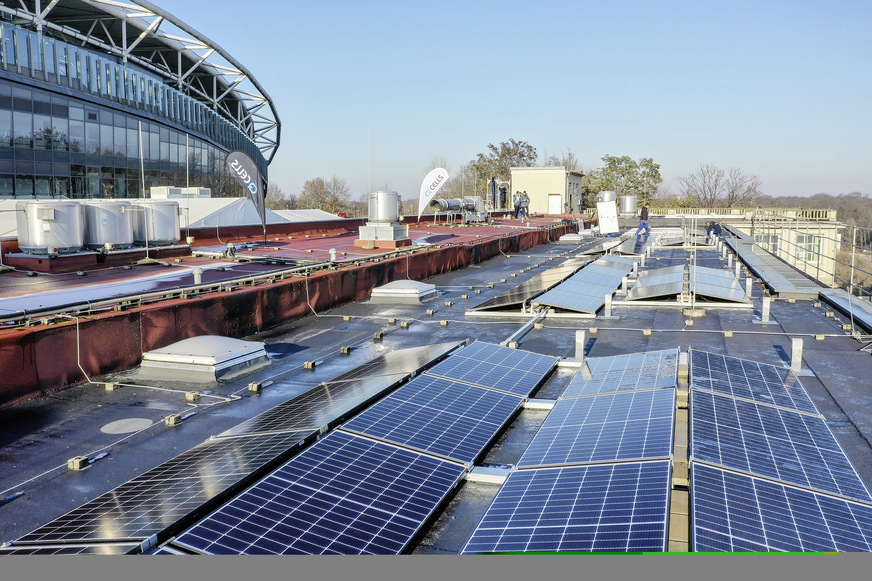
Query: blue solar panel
[(344, 495), (496, 367), (633, 371), (748, 380), (154, 501), (626, 426), (436, 415), (734, 512), (601, 508), (767, 441)]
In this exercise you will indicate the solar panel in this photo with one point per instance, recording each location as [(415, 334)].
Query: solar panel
[(625, 426), (735, 512), (669, 282), (439, 416), (493, 366), (634, 371), (601, 247), (600, 508), (332, 401), (344, 495), (748, 380), (793, 447), (585, 291), (628, 246), (72, 549), (529, 289), (572, 301), (155, 500)]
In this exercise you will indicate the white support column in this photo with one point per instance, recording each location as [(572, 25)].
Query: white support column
[(749, 286), (608, 307), (767, 300), (580, 340), (796, 355)]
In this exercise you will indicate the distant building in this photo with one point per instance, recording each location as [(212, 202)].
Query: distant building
[(552, 190), (106, 100)]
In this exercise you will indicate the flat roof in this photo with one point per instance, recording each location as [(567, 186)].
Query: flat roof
[(41, 435)]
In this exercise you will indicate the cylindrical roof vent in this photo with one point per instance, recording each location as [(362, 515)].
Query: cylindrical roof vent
[(628, 204), (383, 206)]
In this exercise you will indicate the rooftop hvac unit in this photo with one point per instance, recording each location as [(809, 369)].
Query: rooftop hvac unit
[(156, 222), (108, 224), (50, 227)]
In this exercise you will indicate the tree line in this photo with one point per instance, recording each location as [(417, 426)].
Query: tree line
[(708, 186)]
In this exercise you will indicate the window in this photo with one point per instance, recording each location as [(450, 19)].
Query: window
[(767, 242), (808, 248)]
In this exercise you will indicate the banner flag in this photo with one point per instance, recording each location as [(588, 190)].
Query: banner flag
[(242, 167), (431, 184)]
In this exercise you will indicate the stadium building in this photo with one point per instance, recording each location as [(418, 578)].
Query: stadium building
[(104, 99)]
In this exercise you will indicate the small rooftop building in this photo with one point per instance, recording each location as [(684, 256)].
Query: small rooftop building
[(552, 189)]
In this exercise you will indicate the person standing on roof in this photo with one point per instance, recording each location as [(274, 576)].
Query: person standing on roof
[(516, 199), (643, 220), (525, 205), (712, 231)]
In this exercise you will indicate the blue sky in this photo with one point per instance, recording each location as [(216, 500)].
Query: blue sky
[(780, 89)]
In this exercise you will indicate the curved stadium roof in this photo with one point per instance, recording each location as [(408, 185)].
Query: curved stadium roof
[(143, 34)]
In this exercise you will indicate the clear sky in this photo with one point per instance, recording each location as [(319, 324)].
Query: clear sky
[(780, 89)]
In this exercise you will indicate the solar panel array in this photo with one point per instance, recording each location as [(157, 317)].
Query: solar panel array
[(623, 426), (601, 247), (749, 380), (766, 441), (368, 487), (767, 473), (517, 296), (72, 549), (600, 508), (736, 512), (440, 416), (158, 502), (669, 282), (150, 502), (331, 402), (496, 367), (597, 475), (585, 291), (346, 495), (634, 371)]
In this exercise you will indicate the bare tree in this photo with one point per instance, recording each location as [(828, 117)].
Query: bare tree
[(741, 189), (277, 199), (712, 187), (567, 160), (329, 195)]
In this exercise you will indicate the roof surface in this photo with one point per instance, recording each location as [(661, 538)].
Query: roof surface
[(40, 435)]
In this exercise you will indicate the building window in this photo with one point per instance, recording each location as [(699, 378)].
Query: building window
[(808, 248), (767, 242)]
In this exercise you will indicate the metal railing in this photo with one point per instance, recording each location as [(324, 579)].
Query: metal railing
[(837, 255), (826, 215)]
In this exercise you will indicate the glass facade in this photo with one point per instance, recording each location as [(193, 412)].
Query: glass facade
[(127, 131)]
